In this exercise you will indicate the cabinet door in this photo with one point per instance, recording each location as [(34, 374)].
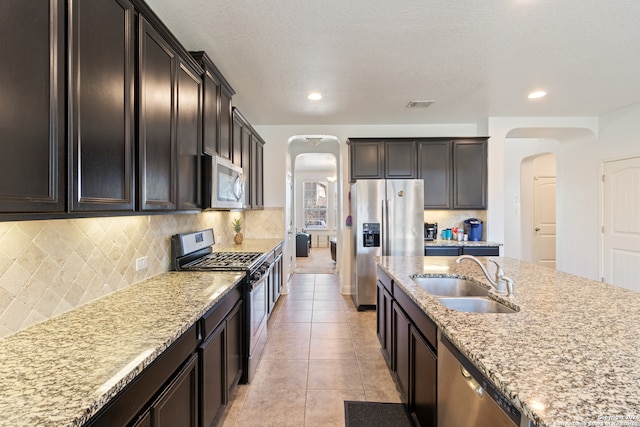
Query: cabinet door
[(470, 174), (383, 319), (224, 143), (236, 147), (400, 159), (101, 139), (423, 379), (434, 167), (246, 167), (32, 129), (178, 404), (366, 160), (189, 140), (257, 190), (210, 113), (157, 142), (213, 381), (401, 345), (234, 351)]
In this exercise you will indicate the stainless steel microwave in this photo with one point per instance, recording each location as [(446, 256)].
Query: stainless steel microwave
[(224, 184)]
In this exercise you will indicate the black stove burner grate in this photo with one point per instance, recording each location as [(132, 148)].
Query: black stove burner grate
[(230, 261)]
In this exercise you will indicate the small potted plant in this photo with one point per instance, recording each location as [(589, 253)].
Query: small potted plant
[(237, 226)]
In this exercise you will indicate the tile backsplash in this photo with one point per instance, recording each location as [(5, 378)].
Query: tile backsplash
[(52, 266)]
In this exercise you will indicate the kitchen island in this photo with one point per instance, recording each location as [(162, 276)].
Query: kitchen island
[(568, 356), (63, 371)]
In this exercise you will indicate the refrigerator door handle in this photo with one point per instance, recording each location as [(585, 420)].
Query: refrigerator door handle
[(385, 227)]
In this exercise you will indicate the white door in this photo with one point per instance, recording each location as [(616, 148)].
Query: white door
[(544, 221), (621, 230)]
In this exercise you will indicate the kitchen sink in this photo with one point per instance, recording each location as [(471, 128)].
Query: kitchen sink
[(450, 287), (475, 305)]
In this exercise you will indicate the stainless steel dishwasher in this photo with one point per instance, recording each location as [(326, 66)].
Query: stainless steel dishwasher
[(466, 398)]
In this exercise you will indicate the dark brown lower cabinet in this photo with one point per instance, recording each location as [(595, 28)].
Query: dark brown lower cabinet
[(383, 320), (220, 356), (178, 405), (212, 355), (424, 371), (221, 366), (401, 340), (408, 339)]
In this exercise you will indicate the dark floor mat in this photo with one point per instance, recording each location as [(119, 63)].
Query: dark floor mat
[(376, 414)]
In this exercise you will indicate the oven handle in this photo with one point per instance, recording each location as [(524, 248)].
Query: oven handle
[(260, 281)]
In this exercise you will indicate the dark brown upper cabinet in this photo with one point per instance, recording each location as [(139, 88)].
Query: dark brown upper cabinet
[(32, 163), (251, 160), (157, 133), (469, 174), (242, 139), (257, 172), (101, 106), (216, 111), (434, 167), (189, 137), (382, 159), (400, 159), (366, 159), (454, 170)]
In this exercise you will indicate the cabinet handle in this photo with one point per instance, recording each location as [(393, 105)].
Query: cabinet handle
[(537, 229)]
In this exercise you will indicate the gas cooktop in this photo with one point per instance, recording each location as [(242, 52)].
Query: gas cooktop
[(194, 251)]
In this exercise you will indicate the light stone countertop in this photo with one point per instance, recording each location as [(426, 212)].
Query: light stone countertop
[(458, 243), (569, 356), (62, 371)]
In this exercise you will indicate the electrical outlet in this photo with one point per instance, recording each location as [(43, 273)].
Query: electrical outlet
[(142, 263)]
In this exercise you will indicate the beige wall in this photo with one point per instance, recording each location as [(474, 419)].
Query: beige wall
[(52, 266)]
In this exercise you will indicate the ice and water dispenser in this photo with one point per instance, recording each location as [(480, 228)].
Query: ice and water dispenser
[(371, 234)]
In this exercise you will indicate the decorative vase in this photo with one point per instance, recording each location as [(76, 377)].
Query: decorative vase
[(238, 238)]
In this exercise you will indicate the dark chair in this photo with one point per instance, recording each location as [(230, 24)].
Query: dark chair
[(303, 244)]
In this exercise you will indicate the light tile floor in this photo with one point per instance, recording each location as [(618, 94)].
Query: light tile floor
[(320, 352)]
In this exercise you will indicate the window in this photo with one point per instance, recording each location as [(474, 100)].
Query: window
[(315, 202)]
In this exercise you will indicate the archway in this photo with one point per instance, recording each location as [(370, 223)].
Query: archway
[(315, 144)]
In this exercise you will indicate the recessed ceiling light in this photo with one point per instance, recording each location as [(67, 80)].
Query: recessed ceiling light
[(537, 94), (315, 96)]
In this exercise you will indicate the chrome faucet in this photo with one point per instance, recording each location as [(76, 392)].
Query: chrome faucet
[(501, 282)]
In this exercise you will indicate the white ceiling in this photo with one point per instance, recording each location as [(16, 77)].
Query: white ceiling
[(369, 58)]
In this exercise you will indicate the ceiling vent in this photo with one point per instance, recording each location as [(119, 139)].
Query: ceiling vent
[(419, 104)]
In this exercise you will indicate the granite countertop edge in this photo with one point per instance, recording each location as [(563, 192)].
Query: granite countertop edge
[(65, 370)]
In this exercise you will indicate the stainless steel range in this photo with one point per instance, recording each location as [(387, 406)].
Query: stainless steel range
[(194, 252)]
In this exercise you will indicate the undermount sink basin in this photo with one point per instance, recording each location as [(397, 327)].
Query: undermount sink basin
[(450, 287), (475, 305)]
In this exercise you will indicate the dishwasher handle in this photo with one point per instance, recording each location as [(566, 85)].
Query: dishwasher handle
[(471, 382)]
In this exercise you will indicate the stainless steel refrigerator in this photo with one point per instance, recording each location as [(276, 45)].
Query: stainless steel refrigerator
[(386, 219)]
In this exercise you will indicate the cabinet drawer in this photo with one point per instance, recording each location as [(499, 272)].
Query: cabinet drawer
[(385, 280), (218, 312), (442, 251), (481, 251)]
